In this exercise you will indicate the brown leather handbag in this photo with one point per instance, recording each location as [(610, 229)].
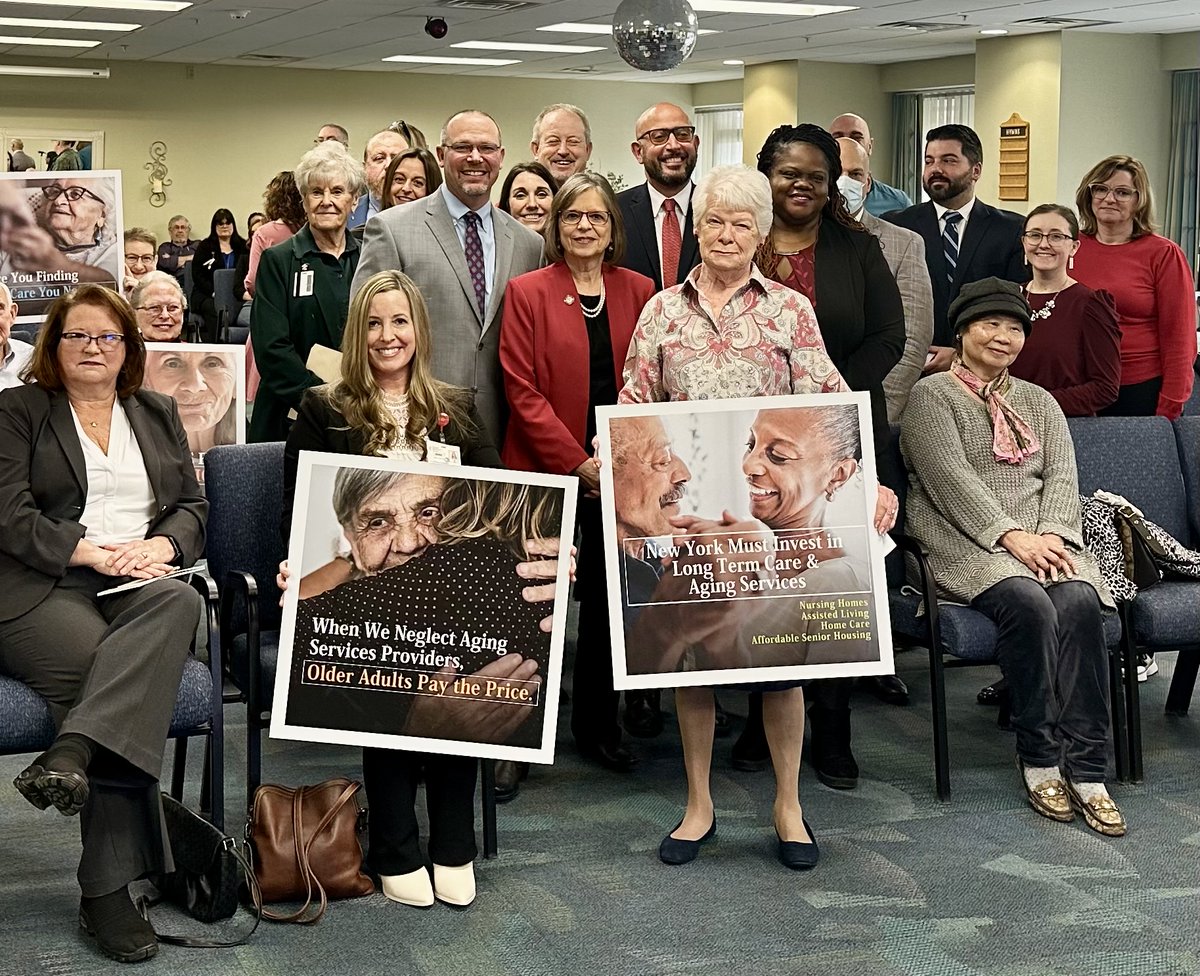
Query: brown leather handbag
[(305, 847)]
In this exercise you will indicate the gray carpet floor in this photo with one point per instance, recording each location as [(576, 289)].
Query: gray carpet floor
[(980, 886)]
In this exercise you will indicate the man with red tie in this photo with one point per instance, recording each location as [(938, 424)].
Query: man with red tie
[(658, 213)]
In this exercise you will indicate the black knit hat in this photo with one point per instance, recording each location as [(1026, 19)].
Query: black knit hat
[(988, 296)]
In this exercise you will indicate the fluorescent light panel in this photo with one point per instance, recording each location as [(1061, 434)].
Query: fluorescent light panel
[(96, 25), (38, 71), (569, 27), (161, 6), (422, 59), (514, 46), (47, 41), (770, 9)]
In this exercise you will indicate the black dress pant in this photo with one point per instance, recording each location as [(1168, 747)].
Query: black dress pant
[(1052, 652), (594, 703), (1136, 400), (109, 668), (391, 778)]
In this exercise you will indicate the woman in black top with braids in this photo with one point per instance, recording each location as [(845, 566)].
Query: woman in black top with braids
[(818, 249)]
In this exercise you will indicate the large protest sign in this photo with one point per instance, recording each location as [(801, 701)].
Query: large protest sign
[(58, 230), (406, 624), (739, 541), (208, 383)]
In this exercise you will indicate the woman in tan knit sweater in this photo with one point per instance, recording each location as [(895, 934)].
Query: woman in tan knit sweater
[(994, 500)]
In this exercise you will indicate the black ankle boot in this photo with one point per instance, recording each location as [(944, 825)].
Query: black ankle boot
[(118, 929), (829, 747)]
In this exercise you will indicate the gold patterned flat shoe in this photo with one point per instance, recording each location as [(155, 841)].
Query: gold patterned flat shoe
[(1050, 799), (1100, 813)]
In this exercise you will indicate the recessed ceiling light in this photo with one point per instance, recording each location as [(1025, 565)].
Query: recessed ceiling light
[(733, 61), (48, 41), (162, 6), (423, 59), (570, 27), (770, 9), (543, 48), (96, 25), (993, 32)]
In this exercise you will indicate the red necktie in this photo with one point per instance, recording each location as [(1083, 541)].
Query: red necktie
[(671, 244)]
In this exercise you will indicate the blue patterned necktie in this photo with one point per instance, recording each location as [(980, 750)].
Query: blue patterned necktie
[(950, 243), (474, 252)]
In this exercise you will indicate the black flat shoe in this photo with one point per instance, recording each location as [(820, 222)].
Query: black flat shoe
[(614, 757), (750, 753), (643, 715), (66, 791), (797, 855), (672, 850), (119, 930), (888, 688), (508, 779), (829, 748), (993, 694)]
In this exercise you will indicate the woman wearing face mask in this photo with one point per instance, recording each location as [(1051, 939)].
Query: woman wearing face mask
[(527, 193), (818, 249)]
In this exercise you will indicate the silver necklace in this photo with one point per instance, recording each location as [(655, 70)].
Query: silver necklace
[(1046, 310), (591, 313)]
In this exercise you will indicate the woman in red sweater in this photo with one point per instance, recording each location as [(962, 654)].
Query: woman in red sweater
[(1149, 277)]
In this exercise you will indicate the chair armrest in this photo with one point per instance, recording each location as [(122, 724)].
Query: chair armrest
[(244, 585), (207, 589), (907, 544)]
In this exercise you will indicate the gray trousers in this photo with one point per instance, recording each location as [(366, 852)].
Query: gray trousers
[(109, 667), (1051, 649)]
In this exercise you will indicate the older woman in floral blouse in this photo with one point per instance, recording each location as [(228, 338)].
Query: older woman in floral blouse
[(728, 331)]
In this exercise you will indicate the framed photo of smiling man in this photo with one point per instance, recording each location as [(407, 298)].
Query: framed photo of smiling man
[(208, 383), (739, 541), (408, 625)]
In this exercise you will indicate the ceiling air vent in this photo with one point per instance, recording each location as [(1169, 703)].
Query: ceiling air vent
[(921, 26), (582, 70), (492, 6), (1064, 23), (268, 58)]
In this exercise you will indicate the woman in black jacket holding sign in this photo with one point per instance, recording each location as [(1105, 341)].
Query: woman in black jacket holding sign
[(387, 404)]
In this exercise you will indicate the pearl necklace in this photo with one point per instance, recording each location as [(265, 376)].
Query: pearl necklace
[(591, 313)]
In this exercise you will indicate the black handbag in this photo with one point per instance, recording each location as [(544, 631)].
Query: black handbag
[(209, 872), (1139, 549)]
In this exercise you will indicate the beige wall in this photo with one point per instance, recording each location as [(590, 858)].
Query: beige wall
[(1019, 74), (1129, 112), (228, 130), (718, 92), (771, 91), (924, 75), (1180, 52)]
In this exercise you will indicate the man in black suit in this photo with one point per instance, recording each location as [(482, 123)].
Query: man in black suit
[(965, 239), (665, 143)]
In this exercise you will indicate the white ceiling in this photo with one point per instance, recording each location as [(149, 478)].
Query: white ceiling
[(357, 34)]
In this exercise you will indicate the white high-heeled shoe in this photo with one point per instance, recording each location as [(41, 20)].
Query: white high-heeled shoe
[(413, 889), (454, 886)]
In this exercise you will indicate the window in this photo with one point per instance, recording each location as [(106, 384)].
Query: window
[(944, 108), (720, 130)]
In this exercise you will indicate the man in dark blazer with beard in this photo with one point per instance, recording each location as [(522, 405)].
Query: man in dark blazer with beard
[(965, 239), (665, 143)]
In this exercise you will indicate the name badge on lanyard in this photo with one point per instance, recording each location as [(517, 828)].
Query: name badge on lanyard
[(438, 451), (304, 282)]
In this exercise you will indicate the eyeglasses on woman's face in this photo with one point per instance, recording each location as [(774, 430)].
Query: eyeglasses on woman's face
[(1055, 238), (597, 218), (154, 311), (72, 193), (106, 340), (1122, 194)]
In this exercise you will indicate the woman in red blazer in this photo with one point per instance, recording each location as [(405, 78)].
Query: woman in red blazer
[(563, 340)]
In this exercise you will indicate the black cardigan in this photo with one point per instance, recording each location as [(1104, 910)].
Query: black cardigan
[(319, 427)]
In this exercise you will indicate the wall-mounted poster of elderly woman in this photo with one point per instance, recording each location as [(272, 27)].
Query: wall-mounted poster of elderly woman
[(58, 230), (208, 382), (740, 541), (420, 635)]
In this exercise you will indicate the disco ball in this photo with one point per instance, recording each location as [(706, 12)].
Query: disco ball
[(655, 35)]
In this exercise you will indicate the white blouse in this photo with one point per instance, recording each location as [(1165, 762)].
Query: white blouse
[(120, 502)]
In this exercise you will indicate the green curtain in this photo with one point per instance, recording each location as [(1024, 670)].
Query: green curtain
[(1183, 177), (907, 143)]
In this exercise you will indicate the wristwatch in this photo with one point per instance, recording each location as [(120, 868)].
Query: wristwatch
[(176, 552)]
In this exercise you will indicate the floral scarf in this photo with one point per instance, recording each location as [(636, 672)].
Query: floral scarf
[(1013, 440)]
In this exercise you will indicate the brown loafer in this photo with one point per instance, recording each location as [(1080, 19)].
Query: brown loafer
[(1050, 799), (1100, 813)]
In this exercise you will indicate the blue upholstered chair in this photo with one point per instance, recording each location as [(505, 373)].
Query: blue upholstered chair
[(193, 323), (227, 297), (1139, 457), (26, 725), (1187, 437), (244, 485), (958, 636)]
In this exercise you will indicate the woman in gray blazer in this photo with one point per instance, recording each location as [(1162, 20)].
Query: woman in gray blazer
[(97, 488)]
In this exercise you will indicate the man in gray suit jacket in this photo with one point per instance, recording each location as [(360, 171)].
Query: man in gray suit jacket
[(904, 251), (461, 251)]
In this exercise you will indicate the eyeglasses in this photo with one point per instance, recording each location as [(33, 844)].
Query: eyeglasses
[(1056, 239), (1122, 194), (139, 258), (659, 137), (106, 340), (466, 148), (597, 218), (72, 193), (154, 311)]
